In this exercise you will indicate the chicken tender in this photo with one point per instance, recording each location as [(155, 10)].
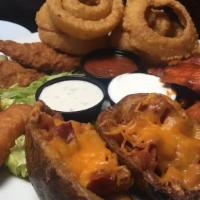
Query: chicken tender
[(39, 56), (12, 125), (12, 73)]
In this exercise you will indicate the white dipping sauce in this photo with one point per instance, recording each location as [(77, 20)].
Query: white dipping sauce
[(71, 95), (134, 83)]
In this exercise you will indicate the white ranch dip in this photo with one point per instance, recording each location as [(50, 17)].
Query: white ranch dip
[(134, 83), (71, 95)]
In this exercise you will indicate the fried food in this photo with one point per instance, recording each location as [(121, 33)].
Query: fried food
[(152, 46), (39, 56), (13, 73), (12, 125), (155, 138), (194, 111), (186, 73), (50, 35), (90, 28), (88, 10), (164, 22), (68, 44), (69, 160), (158, 21)]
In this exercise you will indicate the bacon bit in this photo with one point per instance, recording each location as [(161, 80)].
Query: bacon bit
[(102, 183), (145, 156), (66, 132), (117, 137)]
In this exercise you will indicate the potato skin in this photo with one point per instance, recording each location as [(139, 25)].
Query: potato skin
[(51, 180), (145, 180)]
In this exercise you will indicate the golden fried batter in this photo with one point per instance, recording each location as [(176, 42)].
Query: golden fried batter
[(184, 74), (12, 73), (12, 125), (39, 56)]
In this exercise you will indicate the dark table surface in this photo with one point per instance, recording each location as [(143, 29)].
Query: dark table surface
[(21, 12)]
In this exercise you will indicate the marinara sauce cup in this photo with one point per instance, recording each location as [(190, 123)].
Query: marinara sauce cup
[(105, 64)]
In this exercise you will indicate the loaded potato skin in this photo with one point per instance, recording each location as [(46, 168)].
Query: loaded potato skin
[(56, 152), (49, 177), (158, 142)]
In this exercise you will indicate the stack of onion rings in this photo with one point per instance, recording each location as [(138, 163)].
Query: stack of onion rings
[(80, 26), (85, 28), (136, 34), (77, 28)]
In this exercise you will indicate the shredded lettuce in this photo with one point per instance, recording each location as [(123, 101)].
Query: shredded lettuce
[(3, 57), (16, 161), (17, 94)]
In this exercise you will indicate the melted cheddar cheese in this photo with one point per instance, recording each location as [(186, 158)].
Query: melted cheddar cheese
[(85, 154), (178, 151)]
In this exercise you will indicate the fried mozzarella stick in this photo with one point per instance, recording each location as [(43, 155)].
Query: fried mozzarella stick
[(12, 125), (12, 73), (39, 56)]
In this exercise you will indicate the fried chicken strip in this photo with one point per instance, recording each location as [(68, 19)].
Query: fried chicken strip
[(39, 56), (185, 74), (12, 125), (12, 73)]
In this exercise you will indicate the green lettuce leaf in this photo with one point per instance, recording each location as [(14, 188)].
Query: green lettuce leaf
[(3, 57), (16, 161), (17, 94)]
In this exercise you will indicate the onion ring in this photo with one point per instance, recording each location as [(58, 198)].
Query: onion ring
[(149, 43), (64, 42), (84, 29), (76, 8), (43, 19), (159, 21), (67, 44), (120, 39)]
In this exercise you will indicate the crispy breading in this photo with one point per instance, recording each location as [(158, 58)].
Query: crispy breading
[(194, 111), (12, 125), (39, 56), (185, 74), (12, 73)]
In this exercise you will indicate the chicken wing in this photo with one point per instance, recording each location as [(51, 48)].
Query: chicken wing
[(39, 56), (185, 74), (12, 73), (12, 125)]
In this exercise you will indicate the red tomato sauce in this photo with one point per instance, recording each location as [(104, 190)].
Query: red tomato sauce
[(110, 66)]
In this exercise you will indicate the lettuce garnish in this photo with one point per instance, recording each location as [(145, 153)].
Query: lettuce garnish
[(17, 94)]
